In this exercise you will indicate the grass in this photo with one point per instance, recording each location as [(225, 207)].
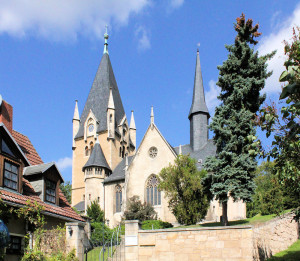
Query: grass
[(249, 221), (290, 254), (93, 255)]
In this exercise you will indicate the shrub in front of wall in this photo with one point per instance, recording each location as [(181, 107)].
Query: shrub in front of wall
[(155, 224)]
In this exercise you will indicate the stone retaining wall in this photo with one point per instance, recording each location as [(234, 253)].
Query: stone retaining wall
[(211, 243), (274, 236)]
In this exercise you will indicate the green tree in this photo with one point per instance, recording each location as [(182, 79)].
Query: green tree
[(95, 212), (136, 210), (182, 185), (242, 77), (66, 189), (286, 126)]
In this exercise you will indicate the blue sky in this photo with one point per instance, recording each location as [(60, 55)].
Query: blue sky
[(50, 51)]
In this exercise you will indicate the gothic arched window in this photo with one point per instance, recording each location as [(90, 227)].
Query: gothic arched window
[(91, 146), (153, 195), (118, 198), (86, 151)]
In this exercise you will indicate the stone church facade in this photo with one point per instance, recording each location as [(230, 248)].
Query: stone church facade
[(109, 168)]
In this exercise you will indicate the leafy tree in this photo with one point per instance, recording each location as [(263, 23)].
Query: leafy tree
[(182, 184), (286, 126), (66, 189), (95, 212), (242, 77), (136, 210)]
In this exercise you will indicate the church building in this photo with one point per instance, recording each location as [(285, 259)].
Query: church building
[(109, 168)]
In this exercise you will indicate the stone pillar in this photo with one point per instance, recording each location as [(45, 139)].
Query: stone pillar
[(131, 240), (76, 238)]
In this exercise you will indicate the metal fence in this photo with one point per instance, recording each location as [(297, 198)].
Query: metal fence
[(105, 245)]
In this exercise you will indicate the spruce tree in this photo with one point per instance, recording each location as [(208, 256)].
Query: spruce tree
[(241, 78)]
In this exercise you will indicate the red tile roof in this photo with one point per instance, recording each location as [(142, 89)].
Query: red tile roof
[(27, 148), (64, 209)]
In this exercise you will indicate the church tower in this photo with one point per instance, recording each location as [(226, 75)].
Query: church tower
[(199, 114), (103, 126)]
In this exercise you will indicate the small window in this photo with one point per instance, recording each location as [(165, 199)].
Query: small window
[(50, 191), (153, 193), (11, 176), (110, 118), (90, 196), (86, 151), (118, 198), (98, 199), (83, 197), (91, 146), (15, 245)]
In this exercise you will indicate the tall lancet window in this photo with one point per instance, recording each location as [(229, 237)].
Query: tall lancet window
[(118, 198), (153, 194)]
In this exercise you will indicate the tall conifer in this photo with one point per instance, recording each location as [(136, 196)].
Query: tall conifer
[(241, 78)]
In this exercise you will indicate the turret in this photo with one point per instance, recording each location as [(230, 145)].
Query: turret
[(132, 130), (76, 121), (111, 116), (199, 114), (95, 171)]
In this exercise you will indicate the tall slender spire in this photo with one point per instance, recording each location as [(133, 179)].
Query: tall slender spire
[(111, 104), (76, 112), (198, 104), (132, 122), (152, 116), (105, 41)]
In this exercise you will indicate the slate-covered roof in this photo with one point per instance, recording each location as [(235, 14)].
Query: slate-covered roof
[(209, 149), (64, 210), (40, 169), (198, 104), (119, 171), (27, 148), (80, 206), (97, 158), (97, 100)]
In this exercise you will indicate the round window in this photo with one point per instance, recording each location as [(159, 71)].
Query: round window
[(91, 127), (153, 152)]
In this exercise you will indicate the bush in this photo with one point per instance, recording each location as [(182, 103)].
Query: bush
[(136, 210), (97, 233), (155, 224)]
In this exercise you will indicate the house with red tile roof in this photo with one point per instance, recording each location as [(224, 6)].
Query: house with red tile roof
[(26, 179)]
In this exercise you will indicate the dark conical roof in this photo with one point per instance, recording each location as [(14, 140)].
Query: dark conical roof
[(97, 158), (198, 104), (97, 100)]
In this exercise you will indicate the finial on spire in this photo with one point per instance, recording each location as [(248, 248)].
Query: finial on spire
[(180, 151), (152, 116), (111, 104), (132, 122), (105, 41), (76, 113)]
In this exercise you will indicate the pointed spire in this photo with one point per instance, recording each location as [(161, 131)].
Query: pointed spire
[(198, 104), (76, 112), (132, 122), (105, 41), (152, 116), (111, 104)]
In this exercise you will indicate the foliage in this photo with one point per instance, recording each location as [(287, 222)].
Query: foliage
[(66, 189), (95, 212), (182, 185), (155, 224), (5, 211), (37, 255), (136, 210), (241, 78), (271, 197), (290, 254), (286, 127), (97, 236)]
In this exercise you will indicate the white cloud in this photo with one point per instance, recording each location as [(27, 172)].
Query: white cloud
[(65, 19), (64, 163), (274, 41), (176, 3), (143, 38), (211, 96)]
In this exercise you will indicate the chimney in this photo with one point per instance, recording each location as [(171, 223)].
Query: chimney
[(6, 115)]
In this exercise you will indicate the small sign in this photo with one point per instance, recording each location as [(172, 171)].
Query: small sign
[(131, 241)]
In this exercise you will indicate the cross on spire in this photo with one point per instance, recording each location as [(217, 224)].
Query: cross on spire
[(105, 41)]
